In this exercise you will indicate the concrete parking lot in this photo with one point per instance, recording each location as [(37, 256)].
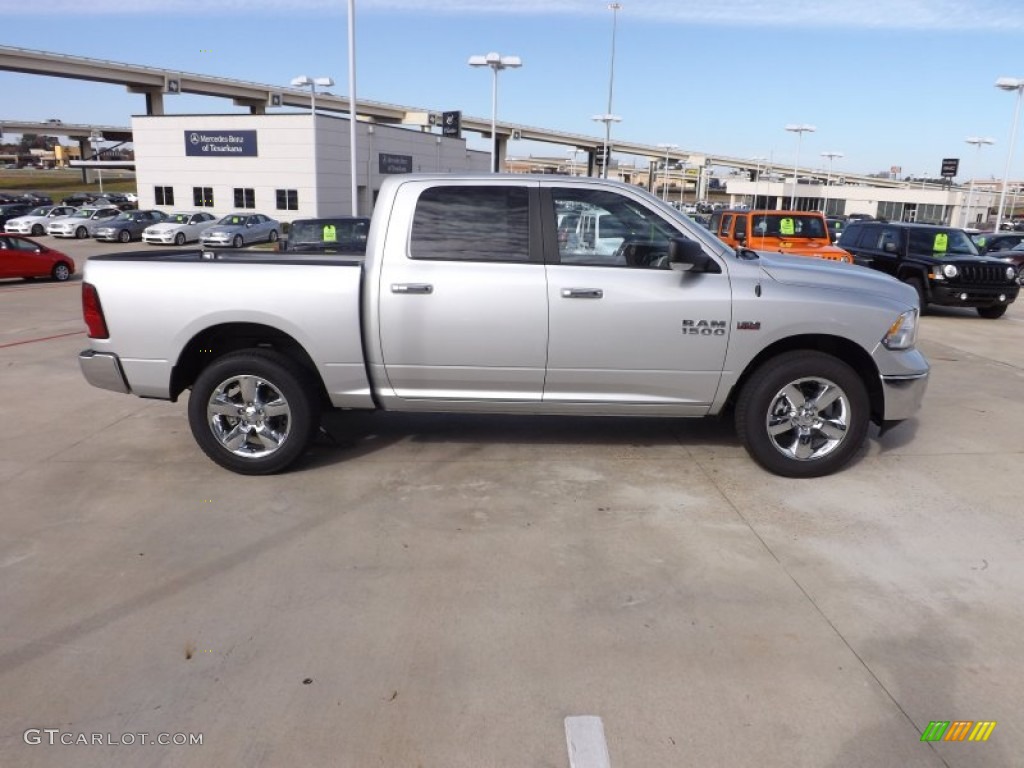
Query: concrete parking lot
[(445, 591)]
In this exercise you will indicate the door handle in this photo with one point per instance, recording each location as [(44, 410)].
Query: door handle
[(582, 293), (412, 288)]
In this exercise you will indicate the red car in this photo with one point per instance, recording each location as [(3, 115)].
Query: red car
[(24, 257)]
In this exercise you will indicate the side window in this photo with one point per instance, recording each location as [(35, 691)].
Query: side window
[(472, 224), (851, 235), (741, 227), (889, 236), (603, 228), (726, 225)]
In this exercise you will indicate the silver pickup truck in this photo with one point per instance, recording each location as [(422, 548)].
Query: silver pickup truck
[(471, 299)]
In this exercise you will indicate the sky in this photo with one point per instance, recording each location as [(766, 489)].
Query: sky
[(885, 82)]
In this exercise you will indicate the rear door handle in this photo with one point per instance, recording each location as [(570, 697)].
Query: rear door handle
[(412, 288), (582, 293)]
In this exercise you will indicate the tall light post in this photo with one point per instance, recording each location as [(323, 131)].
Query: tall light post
[(828, 177), (799, 129), (977, 142), (496, 62), (354, 177), (96, 138), (305, 81), (664, 176), (757, 179), (1009, 84), (607, 119)]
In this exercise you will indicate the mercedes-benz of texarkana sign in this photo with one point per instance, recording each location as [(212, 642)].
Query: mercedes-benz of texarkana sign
[(491, 295)]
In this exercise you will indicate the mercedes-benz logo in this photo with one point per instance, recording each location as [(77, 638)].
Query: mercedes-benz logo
[(194, 138)]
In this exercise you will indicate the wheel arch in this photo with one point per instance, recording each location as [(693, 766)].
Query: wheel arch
[(848, 351), (216, 341)]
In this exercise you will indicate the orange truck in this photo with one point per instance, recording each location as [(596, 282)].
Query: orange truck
[(801, 233)]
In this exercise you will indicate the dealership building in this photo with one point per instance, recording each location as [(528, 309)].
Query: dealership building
[(286, 166)]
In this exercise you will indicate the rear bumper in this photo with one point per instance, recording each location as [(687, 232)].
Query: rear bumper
[(103, 370)]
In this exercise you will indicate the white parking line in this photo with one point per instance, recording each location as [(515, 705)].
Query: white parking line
[(584, 736)]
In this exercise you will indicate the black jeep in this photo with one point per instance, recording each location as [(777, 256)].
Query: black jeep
[(941, 263)]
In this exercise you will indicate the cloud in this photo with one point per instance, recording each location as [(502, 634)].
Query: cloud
[(834, 14)]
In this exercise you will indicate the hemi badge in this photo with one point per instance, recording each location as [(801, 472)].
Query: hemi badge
[(748, 325)]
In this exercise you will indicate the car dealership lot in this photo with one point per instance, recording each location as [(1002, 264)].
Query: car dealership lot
[(453, 588)]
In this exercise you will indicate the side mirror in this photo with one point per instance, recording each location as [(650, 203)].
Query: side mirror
[(687, 256)]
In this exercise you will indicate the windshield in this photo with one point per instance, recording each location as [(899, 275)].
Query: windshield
[(179, 218), (234, 221), (942, 243), (791, 225), (41, 211), (83, 213)]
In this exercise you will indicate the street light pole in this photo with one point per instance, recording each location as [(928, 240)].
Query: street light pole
[(757, 180), (614, 8), (354, 178), (572, 160), (977, 142), (828, 178), (799, 130), (305, 81), (607, 119), (1009, 84), (664, 176), (496, 62)]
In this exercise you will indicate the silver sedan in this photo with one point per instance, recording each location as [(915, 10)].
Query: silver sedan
[(238, 229)]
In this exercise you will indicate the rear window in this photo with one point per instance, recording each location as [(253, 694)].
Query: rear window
[(339, 235), (472, 224)]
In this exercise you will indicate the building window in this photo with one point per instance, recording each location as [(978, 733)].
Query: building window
[(202, 197), (245, 197), (164, 195), (287, 200)]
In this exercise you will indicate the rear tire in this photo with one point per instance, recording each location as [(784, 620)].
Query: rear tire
[(992, 313), (253, 412), (803, 414), (273, 236)]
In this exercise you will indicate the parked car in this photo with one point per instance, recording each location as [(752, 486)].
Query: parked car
[(800, 233), (990, 242), (22, 257), (941, 263), (115, 199), (78, 199), (179, 228), (36, 198), (10, 211), (82, 223), (338, 234), (34, 222), (1014, 256), (238, 229), (128, 226), (835, 227)]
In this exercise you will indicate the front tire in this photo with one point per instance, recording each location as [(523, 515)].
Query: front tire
[(253, 412), (803, 414), (238, 242), (179, 239), (61, 272), (918, 285), (37, 229), (124, 236), (992, 313), (81, 233)]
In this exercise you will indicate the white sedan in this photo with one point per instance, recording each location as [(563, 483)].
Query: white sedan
[(179, 228), (35, 221)]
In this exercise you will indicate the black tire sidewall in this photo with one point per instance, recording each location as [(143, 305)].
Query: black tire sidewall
[(287, 377), (761, 388), (124, 236), (992, 313), (179, 239), (238, 241)]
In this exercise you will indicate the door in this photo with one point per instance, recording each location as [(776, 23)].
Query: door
[(625, 330), (462, 309)]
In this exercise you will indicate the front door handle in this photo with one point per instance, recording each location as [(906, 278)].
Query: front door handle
[(582, 293), (412, 288)]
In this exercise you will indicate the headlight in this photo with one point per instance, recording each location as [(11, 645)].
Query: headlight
[(1010, 273), (950, 270), (902, 334)]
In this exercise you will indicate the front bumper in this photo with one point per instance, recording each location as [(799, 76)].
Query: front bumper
[(103, 370), (903, 395), (953, 295), (162, 238)]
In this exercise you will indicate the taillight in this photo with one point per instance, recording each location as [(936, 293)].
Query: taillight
[(92, 311)]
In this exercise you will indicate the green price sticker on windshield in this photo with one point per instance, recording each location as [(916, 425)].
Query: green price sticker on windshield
[(941, 242), (330, 234), (787, 227)]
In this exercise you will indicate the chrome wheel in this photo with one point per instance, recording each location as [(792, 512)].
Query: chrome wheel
[(249, 416), (61, 272), (808, 419)]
